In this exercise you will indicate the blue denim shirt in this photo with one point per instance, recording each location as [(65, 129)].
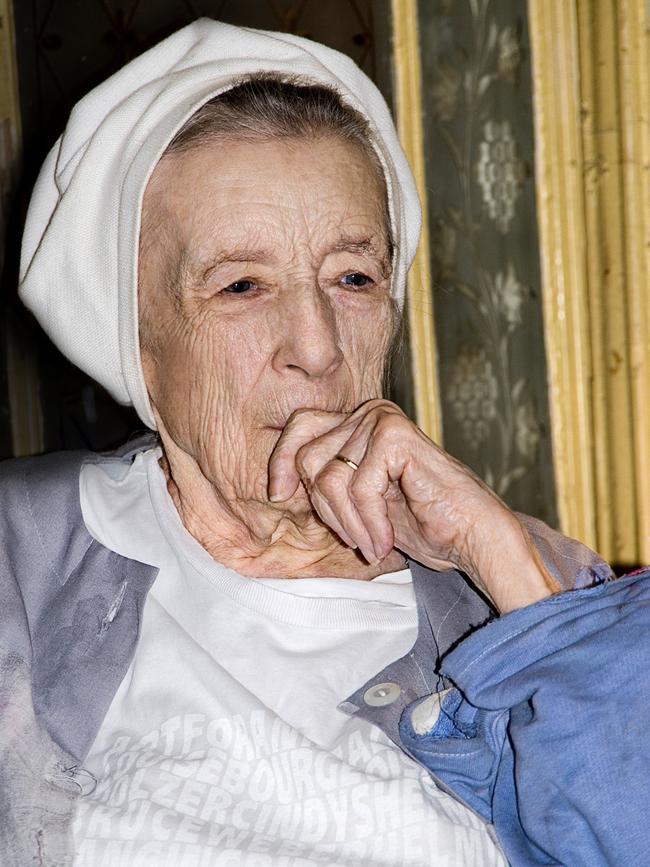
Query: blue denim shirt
[(545, 732)]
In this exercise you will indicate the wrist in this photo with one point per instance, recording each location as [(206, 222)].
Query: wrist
[(510, 570)]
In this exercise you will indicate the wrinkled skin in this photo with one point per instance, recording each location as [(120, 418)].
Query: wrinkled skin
[(266, 320), (410, 495)]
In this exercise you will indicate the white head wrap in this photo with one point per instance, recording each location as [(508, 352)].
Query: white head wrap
[(80, 248)]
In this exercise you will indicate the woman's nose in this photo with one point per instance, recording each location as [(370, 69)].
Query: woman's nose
[(310, 340)]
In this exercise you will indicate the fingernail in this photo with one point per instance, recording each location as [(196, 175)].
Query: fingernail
[(275, 492), (370, 558)]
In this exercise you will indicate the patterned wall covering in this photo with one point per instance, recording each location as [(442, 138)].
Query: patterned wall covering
[(479, 145), (65, 47)]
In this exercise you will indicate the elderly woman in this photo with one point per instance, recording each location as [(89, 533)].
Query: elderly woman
[(221, 237)]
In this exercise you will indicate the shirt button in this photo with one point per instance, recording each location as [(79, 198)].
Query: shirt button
[(382, 694), (75, 780)]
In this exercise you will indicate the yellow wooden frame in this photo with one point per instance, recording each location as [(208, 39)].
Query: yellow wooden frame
[(634, 53), (408, 99), (591, 77)]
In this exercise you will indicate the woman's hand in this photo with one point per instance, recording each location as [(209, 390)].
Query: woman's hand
[(409, 494)]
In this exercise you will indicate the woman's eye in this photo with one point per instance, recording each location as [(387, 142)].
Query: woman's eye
[(357, 280), (240, 286)]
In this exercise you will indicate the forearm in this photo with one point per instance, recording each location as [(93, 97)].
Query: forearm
[(508, 568)]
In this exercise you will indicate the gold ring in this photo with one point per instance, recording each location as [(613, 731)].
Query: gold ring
[(350, 463)]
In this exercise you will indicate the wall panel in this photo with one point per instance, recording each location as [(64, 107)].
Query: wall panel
[(590, 62)]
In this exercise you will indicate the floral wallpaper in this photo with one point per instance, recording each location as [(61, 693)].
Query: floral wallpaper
[(480, 178)]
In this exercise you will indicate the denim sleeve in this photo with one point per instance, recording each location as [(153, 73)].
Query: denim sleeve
[(545, 730)]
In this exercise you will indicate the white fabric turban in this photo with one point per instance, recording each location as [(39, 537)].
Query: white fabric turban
[(79, 255)]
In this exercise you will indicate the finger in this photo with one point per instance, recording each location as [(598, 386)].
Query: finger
[(378, 475), (371, 481), (302, 427), (330, 497), (348, 439), (329, 480), (334, 482), (362, 432), (316, 450), (312, 457), (367, 492), (367, 507), (327, 516)]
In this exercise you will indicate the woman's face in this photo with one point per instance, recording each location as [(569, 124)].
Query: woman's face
[(264, 288)]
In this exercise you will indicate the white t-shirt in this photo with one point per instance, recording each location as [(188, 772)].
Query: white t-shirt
[(224, 744)]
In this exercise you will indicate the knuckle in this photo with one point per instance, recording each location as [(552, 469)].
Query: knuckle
[(379, 403), (391, 426), (329, 481), (358, 497), (301, 412), (380, 409), (359, 489), (297, 420), (305, 459)]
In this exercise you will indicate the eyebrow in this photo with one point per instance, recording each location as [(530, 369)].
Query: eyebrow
[(258, 255), (201, 268), (365, 246), (348, 244), (237, 254)]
